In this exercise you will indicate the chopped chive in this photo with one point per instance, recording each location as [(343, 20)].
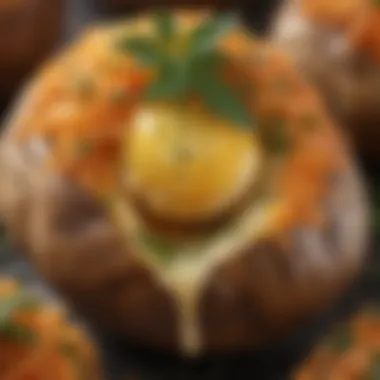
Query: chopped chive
[(342, 340), (16, 333), (374, 371), (275, 136), (161, 247), (107, 200), (17, 302), (279, 143)]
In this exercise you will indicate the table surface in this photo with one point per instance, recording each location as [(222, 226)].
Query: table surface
[(127, 362)]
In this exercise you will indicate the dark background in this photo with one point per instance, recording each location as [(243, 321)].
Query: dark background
[(133, 363)]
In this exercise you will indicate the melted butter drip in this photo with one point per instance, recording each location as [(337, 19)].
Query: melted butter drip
[(185, 164), (186, 276)]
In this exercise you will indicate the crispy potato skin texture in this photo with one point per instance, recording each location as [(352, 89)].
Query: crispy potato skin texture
[(347, 79), (261, 295), (28, 32)]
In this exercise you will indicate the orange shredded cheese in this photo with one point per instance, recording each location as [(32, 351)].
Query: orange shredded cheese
[(359, 20), (58, 350), (352, 352), (83, 102)]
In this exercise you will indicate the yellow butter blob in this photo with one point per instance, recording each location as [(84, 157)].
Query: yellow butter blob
[(186, 164)]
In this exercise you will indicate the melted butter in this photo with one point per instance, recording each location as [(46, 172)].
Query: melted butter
[(184, 164), (186, 276)]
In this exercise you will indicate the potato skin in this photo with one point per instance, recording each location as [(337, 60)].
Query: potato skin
[(253, 300), (347, 79), (28, 32)]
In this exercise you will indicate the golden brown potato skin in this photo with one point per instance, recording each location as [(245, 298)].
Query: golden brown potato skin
[(252, 300), (348, 80), (28, 32)]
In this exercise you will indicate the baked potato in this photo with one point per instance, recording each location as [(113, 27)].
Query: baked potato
[(351, 351), (336, 45), (28, 32), (38, 342), (182, 186)]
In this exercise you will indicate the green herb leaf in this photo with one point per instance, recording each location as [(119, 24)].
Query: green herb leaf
[(172, 82), (274, 135), (165, 25), (207, 34), (21, 302), (374, 372), (342, 340), (222, 99), (16, 333), (194, 70), (144, 49), (158, 245)]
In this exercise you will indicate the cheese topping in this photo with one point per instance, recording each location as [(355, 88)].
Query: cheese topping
[(359, 21)]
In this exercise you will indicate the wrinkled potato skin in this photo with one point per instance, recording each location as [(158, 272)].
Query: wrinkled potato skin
[(254, 299), (348, 80)]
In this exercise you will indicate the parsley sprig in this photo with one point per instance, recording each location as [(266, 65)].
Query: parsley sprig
[(189, 65)]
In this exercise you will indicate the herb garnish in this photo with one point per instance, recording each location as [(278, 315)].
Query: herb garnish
[(16, 333), (274, 135), (161, 247), (342, 340), (10, 330), (16, 302), (374, 373), (189, 65)]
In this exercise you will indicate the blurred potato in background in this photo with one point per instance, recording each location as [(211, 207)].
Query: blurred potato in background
[(29, 29)]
